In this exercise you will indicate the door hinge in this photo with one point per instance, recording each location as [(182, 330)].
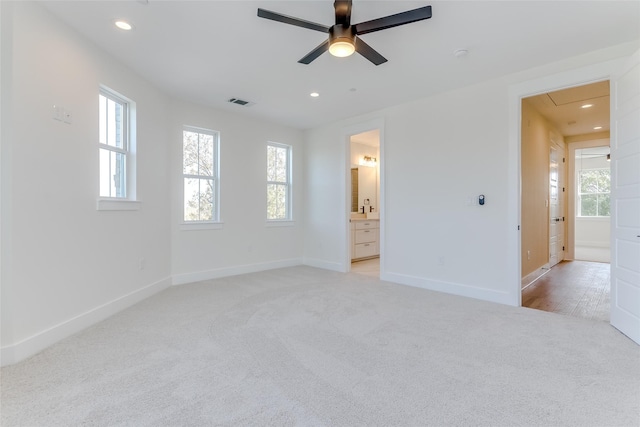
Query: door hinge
[(563, 248), (518, 227), (563, 160), (563, 189)]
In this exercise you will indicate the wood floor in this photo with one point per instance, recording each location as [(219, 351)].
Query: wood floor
[(576, 288)]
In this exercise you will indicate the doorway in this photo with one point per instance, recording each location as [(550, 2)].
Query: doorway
[(592, 187), (364, 212), (555, 127)]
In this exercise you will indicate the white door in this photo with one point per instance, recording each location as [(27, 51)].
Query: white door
[(554, 207), (625, 200)]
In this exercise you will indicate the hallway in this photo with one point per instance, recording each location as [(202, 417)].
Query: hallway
[(575, 288)]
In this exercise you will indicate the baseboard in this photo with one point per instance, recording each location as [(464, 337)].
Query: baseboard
[(534, 275), (181, 279), (593, 244), (28, 347), (325, 265), (452, 288)]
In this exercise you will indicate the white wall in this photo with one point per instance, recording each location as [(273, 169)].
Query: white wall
[(438, 154), (65, 264), (246, 242)]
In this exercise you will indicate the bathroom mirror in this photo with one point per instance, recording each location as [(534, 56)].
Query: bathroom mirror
[(364, 181)]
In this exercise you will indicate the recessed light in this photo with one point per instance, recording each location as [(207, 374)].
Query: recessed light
[(587, 106), (314, 94), (597, 127), (123, 25)]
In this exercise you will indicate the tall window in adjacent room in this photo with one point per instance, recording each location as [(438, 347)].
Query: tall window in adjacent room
[(200, 174), (278, 182), (594, 187), (116, 143)]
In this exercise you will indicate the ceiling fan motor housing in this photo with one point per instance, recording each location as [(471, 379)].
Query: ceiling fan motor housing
[(340, 33)]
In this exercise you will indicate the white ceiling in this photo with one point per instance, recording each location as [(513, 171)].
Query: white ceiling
[(209, 51)]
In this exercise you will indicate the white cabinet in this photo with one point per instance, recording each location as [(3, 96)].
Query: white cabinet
[(365, 239)]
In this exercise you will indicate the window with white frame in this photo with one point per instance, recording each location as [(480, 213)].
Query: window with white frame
[(594, 187), (278, 182), (117, 163), (200, 174)]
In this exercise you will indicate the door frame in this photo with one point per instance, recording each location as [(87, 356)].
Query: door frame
[(346, 134), (562, 195), (517, 92), (571, 189)]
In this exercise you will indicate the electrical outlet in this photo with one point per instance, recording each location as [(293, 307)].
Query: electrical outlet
[(528, 255), (441, 260)]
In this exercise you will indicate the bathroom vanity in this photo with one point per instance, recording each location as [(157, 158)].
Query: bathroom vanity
[(365, 238)]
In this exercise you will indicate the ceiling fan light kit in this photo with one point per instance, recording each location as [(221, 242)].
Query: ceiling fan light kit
[(342, 41), (343, 37)]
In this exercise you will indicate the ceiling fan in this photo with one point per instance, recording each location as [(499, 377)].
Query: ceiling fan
[(343, 37)]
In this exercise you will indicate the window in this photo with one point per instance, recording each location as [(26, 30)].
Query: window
[(116, 143), (278, 182), (200, 174), (594, 186)]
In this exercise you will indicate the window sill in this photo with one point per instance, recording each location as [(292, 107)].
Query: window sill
[(118, 205), (280, 223), (193, 226)]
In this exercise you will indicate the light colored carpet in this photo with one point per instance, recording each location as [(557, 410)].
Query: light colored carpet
[(303, 346)]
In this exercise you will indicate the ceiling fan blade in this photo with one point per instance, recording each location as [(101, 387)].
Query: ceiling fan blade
[(368, 52), (322, 48), (393, 20), (274, 16), (343, 12)]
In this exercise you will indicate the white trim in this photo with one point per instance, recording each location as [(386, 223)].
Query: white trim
[(129, 149), (449, 288), (28, 347), (598, 141), (180, 279), (201, 225), (325, 265), (111, 204), (288, 184), (534, 275), (215, 177)]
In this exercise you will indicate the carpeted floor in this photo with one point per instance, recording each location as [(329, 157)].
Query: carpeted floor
[(303, 346)]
